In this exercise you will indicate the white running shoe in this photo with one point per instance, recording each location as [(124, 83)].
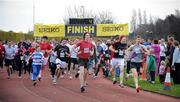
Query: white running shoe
[(70, 77), (62, 76)]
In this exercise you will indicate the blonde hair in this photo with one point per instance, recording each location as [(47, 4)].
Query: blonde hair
[(151, 50), (163, 63)]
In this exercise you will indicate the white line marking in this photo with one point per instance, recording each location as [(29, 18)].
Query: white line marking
[(33, 93)]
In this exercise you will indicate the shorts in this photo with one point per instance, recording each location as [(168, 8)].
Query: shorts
[(8, 62), (117, 62), (107, 58), (91, 63), (45, 61), (136, 65), (52, 65), (62, 64), (74, 60), (83, 62)]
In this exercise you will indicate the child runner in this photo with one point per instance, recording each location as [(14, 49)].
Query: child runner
[(37, 63)]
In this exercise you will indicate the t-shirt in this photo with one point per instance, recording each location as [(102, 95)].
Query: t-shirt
[(107, 52), (31, 50), (99, 50), (73, 51), (9, 52), (137, 54), (120, 48), (85, 48), (61, 50), (162, 50), (156, 48), (37, 58), (161, 70), (52, 57), (45, 46)]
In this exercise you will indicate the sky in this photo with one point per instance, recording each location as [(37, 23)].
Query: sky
[(17, 15)]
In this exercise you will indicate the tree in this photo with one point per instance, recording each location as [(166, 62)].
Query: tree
[(133, 21), (144, 17), (103, 17), (177, 13), (150, 19), (139, 17)]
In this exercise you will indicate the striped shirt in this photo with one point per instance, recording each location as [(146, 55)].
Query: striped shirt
[(37, 58)]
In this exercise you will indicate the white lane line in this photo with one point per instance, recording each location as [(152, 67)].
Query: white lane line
[(82, 96), (33, 93)]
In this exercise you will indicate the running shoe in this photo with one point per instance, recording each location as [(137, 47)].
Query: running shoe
[(62, 76), (121, 85), (114, 81), (77, 75), (82, 89), (94, 77), (34, 83), (138, 89), (39, 78), (70, 77)]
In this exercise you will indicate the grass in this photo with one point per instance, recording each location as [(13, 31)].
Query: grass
[(157, 87)]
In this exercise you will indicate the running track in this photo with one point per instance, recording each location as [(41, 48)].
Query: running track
[(99, 90)]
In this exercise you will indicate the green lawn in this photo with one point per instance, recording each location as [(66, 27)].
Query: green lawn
[(157, 87)]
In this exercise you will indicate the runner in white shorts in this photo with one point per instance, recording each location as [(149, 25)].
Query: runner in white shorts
[(60, 66), (118, 48)]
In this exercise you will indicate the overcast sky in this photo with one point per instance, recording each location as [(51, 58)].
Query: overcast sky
[(17, 15)]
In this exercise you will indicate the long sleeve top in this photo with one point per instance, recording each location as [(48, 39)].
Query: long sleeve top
[(152, 63), (176, 56)]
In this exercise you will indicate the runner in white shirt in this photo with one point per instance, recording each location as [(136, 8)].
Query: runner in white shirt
[(73, 56)]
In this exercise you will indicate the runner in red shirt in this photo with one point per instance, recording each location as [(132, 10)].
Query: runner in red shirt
[(45, 46), (86, 49)]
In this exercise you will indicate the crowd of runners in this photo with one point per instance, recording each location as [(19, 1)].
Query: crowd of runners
[(81, 57)]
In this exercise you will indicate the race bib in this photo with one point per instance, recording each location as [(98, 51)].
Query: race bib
[(137, 51), (107, 55), (121, 52), (21, 57), (62, 54), (86, 50)]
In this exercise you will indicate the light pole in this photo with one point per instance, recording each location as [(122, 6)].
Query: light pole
[(82, 7), (33, 13)]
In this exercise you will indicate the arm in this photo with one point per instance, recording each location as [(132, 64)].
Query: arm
[(130, 48), (92, 51), (112, 49), (175, 55), (67, 52)]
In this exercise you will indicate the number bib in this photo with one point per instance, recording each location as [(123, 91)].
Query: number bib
[(107, 55), (121, 53), (62, 54), (137, 51), (21, 57), (86, 50)]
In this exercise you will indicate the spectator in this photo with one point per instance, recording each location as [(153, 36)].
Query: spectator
[(176, 63)]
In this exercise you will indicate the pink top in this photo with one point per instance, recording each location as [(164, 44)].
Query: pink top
[(156, 48)]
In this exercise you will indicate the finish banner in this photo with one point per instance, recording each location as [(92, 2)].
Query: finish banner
[(50, 30), (112, 29), (78, 30)]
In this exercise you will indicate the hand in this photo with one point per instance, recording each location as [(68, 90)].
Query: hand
[(91, 53), (79, 52), (116, 51), (173, 67)]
